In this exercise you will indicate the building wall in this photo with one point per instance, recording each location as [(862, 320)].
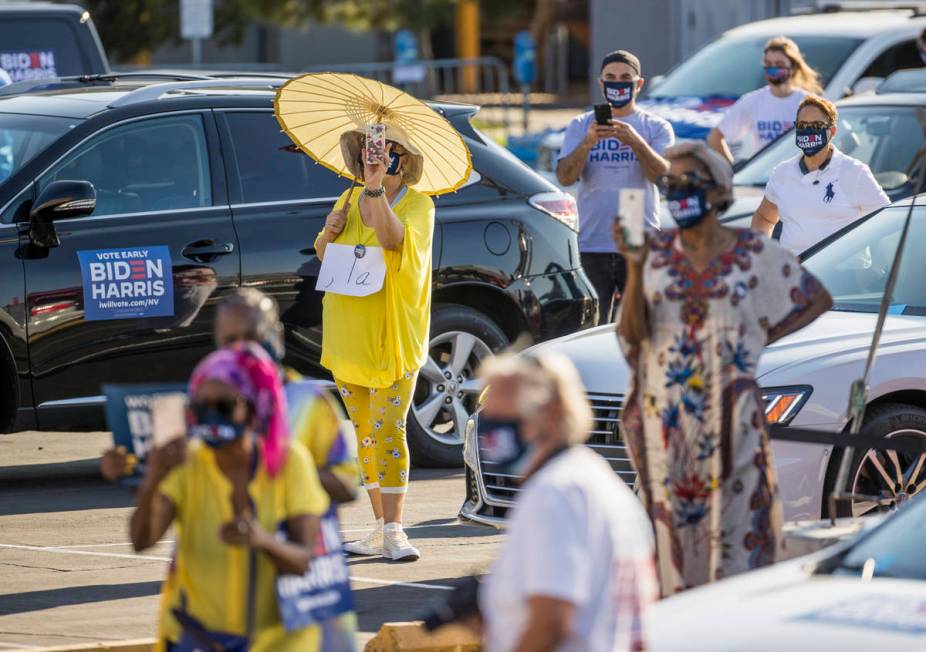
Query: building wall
[(664, 32)]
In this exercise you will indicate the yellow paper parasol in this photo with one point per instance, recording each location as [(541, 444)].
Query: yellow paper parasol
[(315, 109)]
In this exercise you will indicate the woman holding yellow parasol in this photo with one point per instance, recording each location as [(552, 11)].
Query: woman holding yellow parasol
[(376, 340)]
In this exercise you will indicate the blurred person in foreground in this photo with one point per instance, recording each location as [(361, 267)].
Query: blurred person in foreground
[(604, 159), (227, 492), (576, 570), (702, 302), (761, 116), (820, 190), (375, 345)]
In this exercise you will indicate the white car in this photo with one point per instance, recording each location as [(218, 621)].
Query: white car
[(857, 597), (805, 379)]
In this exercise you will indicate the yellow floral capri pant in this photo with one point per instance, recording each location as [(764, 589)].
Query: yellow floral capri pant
[(379, 416)]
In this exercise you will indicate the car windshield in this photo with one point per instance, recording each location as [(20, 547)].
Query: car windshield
[(885, 138), (722, 69), (895, 549), (855, 264), (22, 137)]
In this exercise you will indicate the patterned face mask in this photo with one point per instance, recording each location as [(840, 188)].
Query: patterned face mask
[(502, 445), (811, 140), (688, 207), (619, 93)]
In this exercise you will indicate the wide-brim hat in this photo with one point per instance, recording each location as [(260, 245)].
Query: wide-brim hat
[(352, 148)]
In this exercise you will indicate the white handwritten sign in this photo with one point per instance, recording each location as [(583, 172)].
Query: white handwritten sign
[(344, 272)]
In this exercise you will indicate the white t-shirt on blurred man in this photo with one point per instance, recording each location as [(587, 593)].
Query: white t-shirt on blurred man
[(578, 534)]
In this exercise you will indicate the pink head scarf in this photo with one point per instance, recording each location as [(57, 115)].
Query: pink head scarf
[(250, 370)]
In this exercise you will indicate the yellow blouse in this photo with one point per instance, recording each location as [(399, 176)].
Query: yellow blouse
[(373, 341), (212, 575)]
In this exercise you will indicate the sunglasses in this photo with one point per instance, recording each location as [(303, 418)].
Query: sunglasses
[(223, 407), (685, 182), (812, 124)]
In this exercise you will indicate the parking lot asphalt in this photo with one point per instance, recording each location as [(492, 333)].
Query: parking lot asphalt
[(68, 575)]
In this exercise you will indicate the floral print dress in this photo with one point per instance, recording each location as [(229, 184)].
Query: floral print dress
[(694, 421)]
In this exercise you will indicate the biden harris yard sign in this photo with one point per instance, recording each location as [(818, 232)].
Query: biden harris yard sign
[(127, 283)]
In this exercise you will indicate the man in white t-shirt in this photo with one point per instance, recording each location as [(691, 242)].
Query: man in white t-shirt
[(759, 117), (576, 573), (820, 190)]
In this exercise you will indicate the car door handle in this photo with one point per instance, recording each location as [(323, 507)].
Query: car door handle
[(206, 250)]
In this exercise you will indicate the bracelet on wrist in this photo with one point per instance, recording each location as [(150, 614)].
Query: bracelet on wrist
[(376, 192)]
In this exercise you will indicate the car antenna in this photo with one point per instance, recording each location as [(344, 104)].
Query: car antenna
[(859, 390)]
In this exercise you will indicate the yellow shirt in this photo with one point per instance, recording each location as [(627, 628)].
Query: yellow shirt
[(214, 576), (372, 341)]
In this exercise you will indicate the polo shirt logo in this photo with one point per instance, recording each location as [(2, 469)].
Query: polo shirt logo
[(830, 194)]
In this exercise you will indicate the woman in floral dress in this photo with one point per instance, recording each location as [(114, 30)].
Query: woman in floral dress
[(700, 305)]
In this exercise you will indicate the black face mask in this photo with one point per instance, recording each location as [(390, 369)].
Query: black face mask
[(619, 93), (215, 426), (688, 207), (812, 141), (502, 445)]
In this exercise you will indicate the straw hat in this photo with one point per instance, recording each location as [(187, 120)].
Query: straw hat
[(352, 147)]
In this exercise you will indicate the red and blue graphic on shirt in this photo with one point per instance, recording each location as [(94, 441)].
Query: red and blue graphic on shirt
[(769, 130), (611, 150)]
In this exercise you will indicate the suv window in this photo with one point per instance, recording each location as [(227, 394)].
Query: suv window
[(898, 57), (151, 165), (271, 168)]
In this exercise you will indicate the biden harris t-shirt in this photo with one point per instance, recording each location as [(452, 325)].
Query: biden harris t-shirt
[(611, 166), (758, 118)]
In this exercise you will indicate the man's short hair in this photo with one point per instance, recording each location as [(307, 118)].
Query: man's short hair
[(622, 56)]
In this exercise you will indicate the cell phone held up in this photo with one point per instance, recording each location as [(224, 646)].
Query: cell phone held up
[(374, 144), (632, 211), (603, 114)]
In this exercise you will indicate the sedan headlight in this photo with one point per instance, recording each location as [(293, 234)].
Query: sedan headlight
[(783, 403)]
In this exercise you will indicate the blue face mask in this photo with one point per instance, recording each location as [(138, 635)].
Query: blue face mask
[(502, 446), (393, 168), (215, 429), (619, 93), (812, 141), (777, 75), (688, 207)]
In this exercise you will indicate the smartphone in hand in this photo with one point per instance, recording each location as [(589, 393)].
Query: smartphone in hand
[(632, 210), (168, 418), (375, 144), (603, 114)]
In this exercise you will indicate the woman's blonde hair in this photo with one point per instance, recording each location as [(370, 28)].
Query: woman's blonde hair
[(802, 75), (542, 379)]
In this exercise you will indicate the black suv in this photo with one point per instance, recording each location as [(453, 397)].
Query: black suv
[(199, 171)]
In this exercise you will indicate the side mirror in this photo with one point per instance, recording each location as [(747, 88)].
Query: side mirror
[(59, 200), (866, 85)]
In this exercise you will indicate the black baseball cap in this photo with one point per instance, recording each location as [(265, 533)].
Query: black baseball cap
[(622, 56)]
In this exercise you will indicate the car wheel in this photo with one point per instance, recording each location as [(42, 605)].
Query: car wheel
[(447, 389), (885, 478)]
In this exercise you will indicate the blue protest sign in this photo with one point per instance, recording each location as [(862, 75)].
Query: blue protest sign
[(127, 283), (323, 592), (405, 52), (128, 416), (525, 57)]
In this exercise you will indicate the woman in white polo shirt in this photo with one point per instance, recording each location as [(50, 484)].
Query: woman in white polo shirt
[(819, 191), (763, 115)]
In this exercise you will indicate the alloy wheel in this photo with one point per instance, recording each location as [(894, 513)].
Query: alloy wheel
[(889, 478), (447, 390)]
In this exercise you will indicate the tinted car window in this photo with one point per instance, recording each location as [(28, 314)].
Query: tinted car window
[(150, 165), (904, 81), (733, 66), (35, 48), (854, 266), (271, 168), (903, 55), (885, 138), (22, 137)]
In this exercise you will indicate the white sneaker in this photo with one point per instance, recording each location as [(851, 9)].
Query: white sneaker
[(370, 545), (396, 546)]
